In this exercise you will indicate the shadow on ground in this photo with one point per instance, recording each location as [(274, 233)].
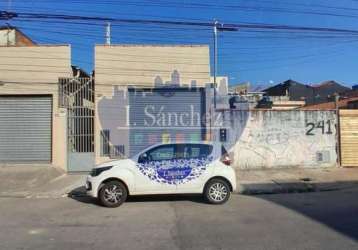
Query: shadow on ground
[(337, 209), (295, 186), (79, 194)]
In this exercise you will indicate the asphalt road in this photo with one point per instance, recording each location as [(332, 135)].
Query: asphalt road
[(326, 220)]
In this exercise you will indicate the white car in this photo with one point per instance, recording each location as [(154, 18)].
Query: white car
[(173, 168)]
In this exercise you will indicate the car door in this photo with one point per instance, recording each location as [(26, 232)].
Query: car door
[(197, 158), (155, 169)]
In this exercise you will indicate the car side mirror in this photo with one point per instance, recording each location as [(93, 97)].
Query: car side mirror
[(143, 158)]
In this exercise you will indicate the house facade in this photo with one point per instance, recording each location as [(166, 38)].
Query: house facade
[(32, 125), (149, 94)]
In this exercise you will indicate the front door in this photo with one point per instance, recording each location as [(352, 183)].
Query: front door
[(157, 170)]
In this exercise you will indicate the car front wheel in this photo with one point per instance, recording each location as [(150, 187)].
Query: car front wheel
[(113, 194), (217, 191)]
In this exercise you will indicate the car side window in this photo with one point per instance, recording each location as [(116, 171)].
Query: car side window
[(197, 151), (206, 150), (162, 153)]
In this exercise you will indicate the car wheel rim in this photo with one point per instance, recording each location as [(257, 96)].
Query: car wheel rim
[(218, 192), (113, 194)]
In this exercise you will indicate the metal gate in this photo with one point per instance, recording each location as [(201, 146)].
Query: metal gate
[(25, 129), (77, 95), (348, 122)]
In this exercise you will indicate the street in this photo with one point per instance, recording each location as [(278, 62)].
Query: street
[(323, 220)]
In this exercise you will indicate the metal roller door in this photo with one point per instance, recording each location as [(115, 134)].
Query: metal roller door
[(348, 121), (25, 129), (165, 114)]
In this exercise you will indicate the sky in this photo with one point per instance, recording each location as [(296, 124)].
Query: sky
[(259, 57)]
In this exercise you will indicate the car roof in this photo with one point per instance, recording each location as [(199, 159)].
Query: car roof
[(211, 143), (183, 142)]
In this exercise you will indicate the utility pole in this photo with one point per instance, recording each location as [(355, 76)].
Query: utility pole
[(218, 27), (215, 57), (108, 34)]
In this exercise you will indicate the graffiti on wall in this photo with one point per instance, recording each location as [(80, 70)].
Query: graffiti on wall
[(271, 139)]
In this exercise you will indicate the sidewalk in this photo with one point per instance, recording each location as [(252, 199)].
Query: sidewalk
[(296, 180), (48, 182), (38, 181)]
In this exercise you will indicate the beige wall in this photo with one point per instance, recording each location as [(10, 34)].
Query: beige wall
[(120, 66), (141, 65), (35, 70)]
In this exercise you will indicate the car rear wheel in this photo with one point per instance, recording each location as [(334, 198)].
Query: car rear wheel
[(217, 191), (113, 194)]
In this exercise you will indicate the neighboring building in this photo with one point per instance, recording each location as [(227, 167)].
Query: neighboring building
[(12, 36), (349, 94), (348, 103), (352, 104), (142, 89), (222, 98), (32, 126), (283, 103), (246, 101), (296, 91), (222, 83), (241, 88), (326, 91)]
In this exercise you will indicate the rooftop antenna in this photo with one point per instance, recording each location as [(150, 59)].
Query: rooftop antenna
[(108, 34)]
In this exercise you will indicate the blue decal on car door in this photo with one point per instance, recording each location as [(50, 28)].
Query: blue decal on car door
[(169, 164)]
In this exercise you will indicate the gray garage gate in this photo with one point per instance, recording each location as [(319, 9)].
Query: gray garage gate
[(25, 129), (165, 114)]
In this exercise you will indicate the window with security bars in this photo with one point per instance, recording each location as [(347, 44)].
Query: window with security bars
[(105, 145)]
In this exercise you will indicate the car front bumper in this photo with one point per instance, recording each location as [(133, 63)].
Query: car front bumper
[(92, 186)]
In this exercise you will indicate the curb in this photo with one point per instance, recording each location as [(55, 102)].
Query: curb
[(289, 187)]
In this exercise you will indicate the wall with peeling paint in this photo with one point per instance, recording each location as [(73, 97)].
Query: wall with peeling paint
[(280, 139)]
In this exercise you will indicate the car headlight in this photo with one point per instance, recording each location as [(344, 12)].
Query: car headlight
[(98, 171)]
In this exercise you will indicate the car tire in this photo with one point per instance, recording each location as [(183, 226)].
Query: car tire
[(217, 191), (113, 194)]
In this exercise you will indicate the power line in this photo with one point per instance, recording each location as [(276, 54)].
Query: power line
[(19, 15), (268, 7)]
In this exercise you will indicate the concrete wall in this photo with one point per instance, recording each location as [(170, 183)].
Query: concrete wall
[(280, 139), (118, 67), (35, 70)]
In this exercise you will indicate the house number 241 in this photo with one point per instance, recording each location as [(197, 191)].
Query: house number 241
[(324, 126)]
